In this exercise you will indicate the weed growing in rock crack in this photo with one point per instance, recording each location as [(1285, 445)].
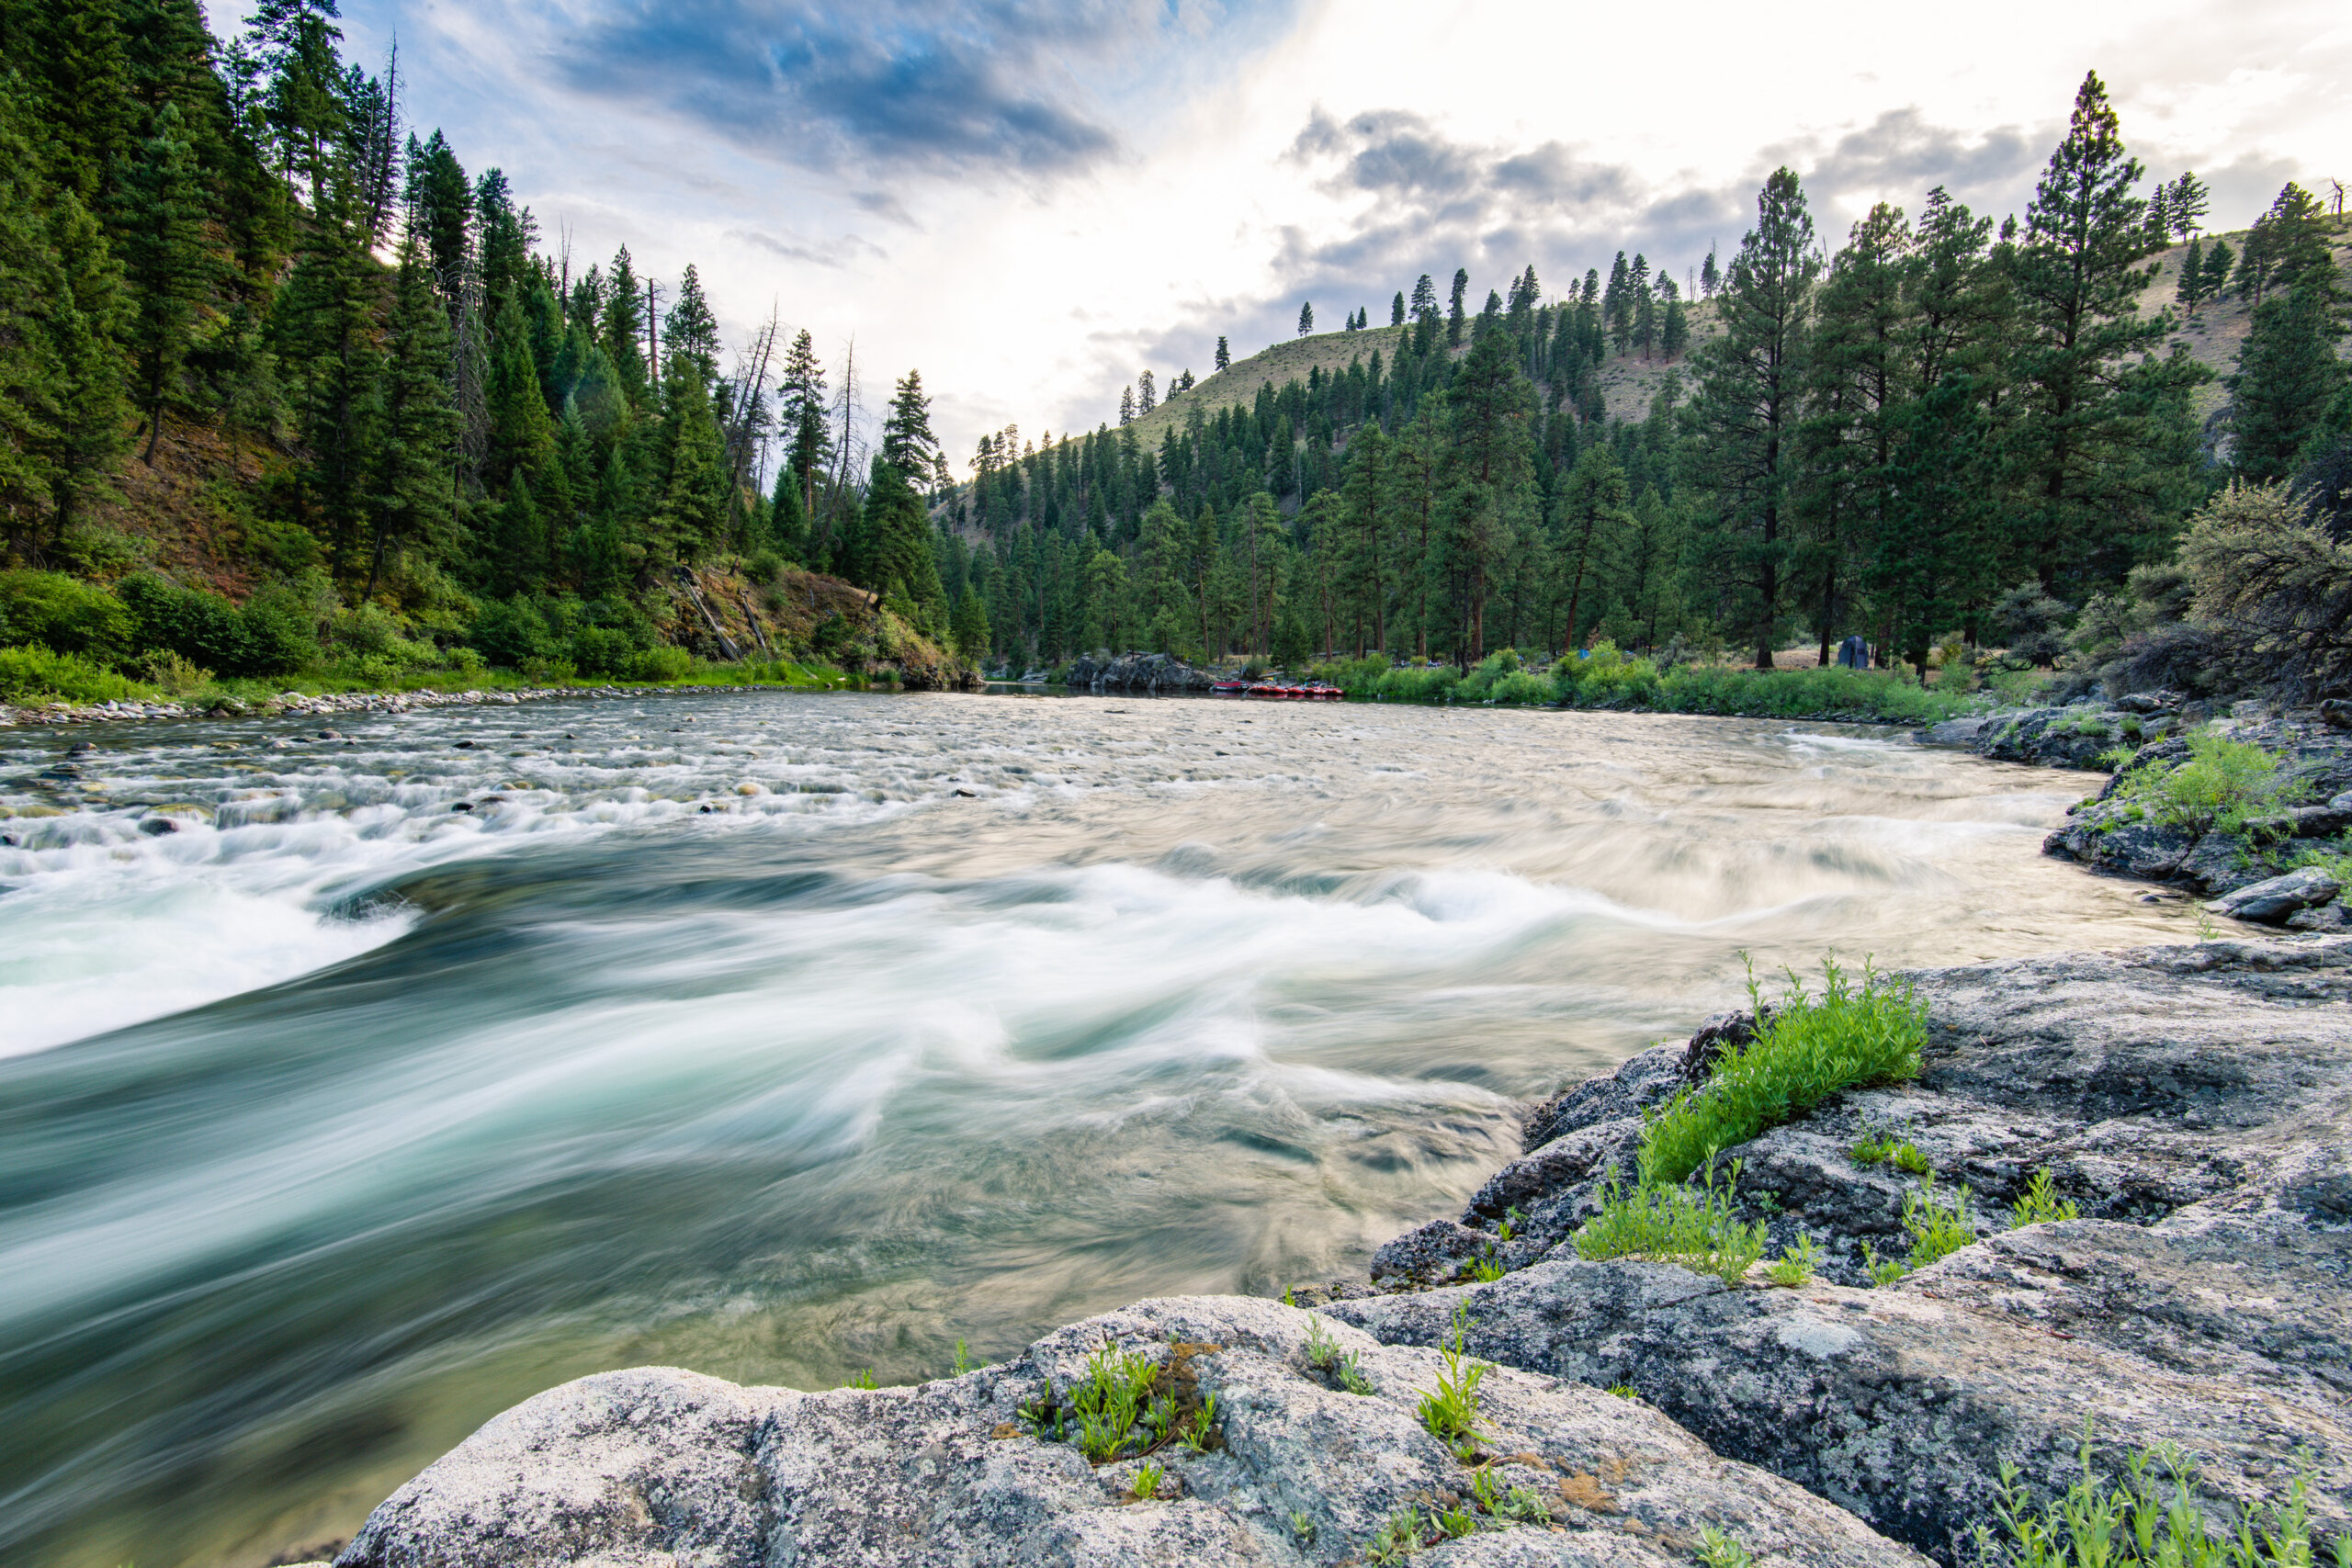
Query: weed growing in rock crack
[(2135, 1522), (2336, 861), (1796, 1263), (1624, 1390), (1454, 1522), (1161, 1417), (1521, 1504), (1719, 1548), (964, 1362), (1107, 1403), (1882, 1270), (1302, 1526), (2206, 930), (1885, 1148), (1322, 1350), (1937, 1229), (1194, 1433), (1351, 1376), (1451, 1411), (861, 1379), (2040, 1203), (1487, 1268), (1671, 1222), (1148, 1479), (1509, 1227), (1808, 1048), (1403, 1535)]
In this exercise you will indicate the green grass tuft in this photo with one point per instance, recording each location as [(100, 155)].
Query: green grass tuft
[(1672, 1221), (1936, 1229), (2041, 1204), (1810, 1048)]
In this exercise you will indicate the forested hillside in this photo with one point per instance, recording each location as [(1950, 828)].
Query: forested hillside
[(287, 387), (1946, 431)]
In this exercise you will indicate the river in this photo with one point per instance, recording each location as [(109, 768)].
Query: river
[(786, 1036)]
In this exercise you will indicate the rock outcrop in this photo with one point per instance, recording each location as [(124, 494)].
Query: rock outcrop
[(2195, 1104), (658, 1466), (2113, 834), (1137, 673)]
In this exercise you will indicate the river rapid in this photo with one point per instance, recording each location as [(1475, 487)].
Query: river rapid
[(784, 1036)]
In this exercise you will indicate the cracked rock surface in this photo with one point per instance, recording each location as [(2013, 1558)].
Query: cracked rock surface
[(658, 1466)]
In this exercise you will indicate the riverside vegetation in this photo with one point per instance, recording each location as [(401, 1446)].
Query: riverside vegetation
[(477, 455)]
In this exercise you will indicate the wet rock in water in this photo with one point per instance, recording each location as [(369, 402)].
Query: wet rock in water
[(2194, 1102), (2272, 901), (1438, 1250), (155, 827), (658, 1466)]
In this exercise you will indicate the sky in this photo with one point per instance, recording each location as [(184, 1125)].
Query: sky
[(1033, 200)]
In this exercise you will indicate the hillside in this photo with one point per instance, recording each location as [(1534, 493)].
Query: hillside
[(2217, 330)]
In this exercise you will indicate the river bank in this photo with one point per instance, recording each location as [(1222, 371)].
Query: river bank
[(2193, 1103)]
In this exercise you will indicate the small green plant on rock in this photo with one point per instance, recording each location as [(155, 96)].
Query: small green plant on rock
[(1303, 1528), (964, 1362), (1795, 1265), (1808, 1047), (863, 1378), (2146, 1519), (1882, 1270), (1937, 1229), (1148, 1479), (1107, 1403), (1194, 1434), (2219, 784), (1322, 1350), (1449, 1413), (1885, 1148), (1521, 1504), (1487, 1268), (1509, 1227), (1672, 1221), (2041, 1204), (1624, 1390), (1719, 1548), (1351, 1376)]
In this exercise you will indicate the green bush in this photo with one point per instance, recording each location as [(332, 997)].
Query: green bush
[(1420, 684), (1807, 1048), (1523, 688), (1479, 684), (663, 663), (32, 673), (67, 616), (511, 632), (270, 637), (2219, 784), (1357, 677)]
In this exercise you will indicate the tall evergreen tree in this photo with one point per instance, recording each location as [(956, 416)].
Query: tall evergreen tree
[(1749, 401), (1306, 318), (2079, 278), (801, 408), (413, 494), (163, 249), (1224, 353)]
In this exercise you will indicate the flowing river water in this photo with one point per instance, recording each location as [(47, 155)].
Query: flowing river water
[(782, 1036)]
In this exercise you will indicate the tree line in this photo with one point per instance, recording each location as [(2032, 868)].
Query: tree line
[(1945, 427)]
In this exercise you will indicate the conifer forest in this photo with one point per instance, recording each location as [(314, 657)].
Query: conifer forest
[(286, 386)]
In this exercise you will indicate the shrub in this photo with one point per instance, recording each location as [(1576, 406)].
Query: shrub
[(1796, 1263), (1524, 688), (2272, 587), (1449, 1413), (663, 663), (1671, 1222), (278, 636), (1806, 1049), (33, 673), (1357, 677), (64, 615), (1428, 685), (2219, 784), (511, 631), (2040, 1203), (270, 637), (766, 566)]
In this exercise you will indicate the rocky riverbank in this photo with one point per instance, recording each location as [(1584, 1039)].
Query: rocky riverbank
[(2194, 1102)]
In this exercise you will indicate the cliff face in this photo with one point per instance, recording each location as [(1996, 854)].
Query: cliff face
[(2195, 1102)]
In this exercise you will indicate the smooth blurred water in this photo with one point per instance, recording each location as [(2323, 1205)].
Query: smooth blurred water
[(782, 1037)]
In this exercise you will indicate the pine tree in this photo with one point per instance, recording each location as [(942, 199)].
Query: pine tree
[(1709, 279), (622, 320), (1748, 403), (1589, 520), (440, 205), (1397, 309), (2186, 202), (1127, 404), (1306, 318), (971, 624), (2188, 292), (691, 329), (1147, 394), (412, 488), (899, 533), (2079, 278), (800, 408), (2218, 263), (2284, 397), (1223, 355), (789, 516), (1453, 316), (163, 250), (1488, 492), (908, 443)]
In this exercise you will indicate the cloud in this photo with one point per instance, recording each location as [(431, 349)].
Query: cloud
[(1023, 86), (837, 252)]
